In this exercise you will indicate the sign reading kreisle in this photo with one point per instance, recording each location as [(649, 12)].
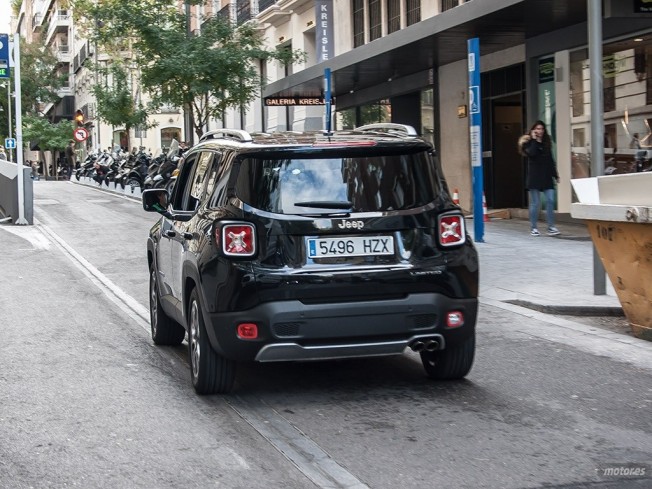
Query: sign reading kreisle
[(324, 30)]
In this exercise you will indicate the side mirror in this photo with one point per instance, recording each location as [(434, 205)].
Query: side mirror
[(156, 200)]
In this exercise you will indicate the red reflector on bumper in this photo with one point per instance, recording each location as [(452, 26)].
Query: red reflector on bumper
[(454, 319), (247, 331)]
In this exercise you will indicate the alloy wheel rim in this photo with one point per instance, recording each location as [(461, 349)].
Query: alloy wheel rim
[(195, 351)]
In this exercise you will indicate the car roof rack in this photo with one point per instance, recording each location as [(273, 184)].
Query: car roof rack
[(238, 134), (389, 127)]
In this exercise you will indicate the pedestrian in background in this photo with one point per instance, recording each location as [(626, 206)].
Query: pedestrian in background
[(3, 155), (70, 157), (541, 175), (635, 143)]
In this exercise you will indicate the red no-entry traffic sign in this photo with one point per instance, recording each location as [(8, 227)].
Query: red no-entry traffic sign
[(80, 134)]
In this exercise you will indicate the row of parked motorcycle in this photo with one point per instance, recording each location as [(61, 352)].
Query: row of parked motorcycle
[(139, 169)]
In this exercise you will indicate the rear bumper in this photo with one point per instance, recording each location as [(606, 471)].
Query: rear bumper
[(291, 330)]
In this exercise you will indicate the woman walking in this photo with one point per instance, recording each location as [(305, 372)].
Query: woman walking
[(541, 175)]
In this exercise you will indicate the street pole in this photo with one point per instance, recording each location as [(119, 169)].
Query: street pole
[(597, 121), (11, 151), (19, 134)]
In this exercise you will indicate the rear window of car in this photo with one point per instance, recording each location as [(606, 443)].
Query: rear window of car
[(370, 182)]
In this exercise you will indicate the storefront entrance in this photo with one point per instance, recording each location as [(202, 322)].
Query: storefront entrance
[(503, 120)]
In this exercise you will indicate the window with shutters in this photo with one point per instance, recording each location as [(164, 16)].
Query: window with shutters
[(393, 16), (375, 20), (358, 23), (413, 11)]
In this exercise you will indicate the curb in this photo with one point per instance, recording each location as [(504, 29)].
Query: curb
[(112, 188), (570, 310)]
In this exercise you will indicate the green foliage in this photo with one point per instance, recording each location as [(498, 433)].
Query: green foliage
[(115, 103), (206, 74), (39, 84), (15, 6), (49, 136), (39, 80)]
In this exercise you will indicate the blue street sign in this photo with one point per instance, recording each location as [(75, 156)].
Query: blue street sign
[(475, 136), (10, 143), (4, 55)]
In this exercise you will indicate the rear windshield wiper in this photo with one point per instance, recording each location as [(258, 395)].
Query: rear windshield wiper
[(325, 204)]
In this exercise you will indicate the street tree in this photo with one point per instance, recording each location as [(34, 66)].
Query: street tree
[(116, 105), (40, 82), (50, 137), (206, 74)]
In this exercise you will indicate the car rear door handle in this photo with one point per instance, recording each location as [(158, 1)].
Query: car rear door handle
[(169, 233)]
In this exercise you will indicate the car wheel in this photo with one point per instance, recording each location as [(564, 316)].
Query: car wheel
[(211, 372), (165, 331), (454, 362)]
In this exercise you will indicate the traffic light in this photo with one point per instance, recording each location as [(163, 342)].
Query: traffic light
[(79, 118)]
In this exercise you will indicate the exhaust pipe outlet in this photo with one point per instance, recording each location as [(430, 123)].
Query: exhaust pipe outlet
[(417, 346), (431, 345)]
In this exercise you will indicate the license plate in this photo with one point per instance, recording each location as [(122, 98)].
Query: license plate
[(350, 246)]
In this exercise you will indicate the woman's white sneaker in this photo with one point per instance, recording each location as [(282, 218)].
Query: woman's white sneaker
[(535, 232)]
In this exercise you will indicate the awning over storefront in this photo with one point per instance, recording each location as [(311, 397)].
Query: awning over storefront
[(433, 42)]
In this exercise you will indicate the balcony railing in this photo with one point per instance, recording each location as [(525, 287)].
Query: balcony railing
[(61, 21)]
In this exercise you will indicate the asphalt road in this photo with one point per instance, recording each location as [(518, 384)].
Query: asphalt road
[(86, 399)]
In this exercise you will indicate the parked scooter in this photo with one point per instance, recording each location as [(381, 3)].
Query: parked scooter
[(138, 173), (166, 168)]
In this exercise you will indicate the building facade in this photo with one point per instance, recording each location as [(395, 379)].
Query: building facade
[(405, 61)]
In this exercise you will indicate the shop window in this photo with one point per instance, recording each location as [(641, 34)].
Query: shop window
[(627, 90), (375, 20), (345, 119), (393, 16), (168, 134), (358, 23)]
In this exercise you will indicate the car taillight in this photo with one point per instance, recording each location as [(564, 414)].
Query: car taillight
[(247, 331), (238, 239), (451, 230)]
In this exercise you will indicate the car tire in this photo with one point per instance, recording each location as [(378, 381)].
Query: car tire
[(452, 363), (165, 331), (211, 373)]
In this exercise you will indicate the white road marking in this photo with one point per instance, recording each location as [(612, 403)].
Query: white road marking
[(31, 234), (305, 454), (294, 445), (124, 301)]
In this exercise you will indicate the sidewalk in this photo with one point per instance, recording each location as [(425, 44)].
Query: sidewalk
[(551, 274)]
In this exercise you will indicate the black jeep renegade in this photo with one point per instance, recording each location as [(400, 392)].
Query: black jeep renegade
[(311, 246)]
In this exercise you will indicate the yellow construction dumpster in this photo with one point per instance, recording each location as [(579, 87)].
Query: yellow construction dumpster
[(618, 212)]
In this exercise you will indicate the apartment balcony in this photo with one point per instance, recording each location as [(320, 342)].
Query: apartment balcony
[(37, 22), (62, 52), (277, 12), (61, 21)]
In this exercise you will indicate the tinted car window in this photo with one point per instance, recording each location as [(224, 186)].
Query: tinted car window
[(369, 183), (194, 191)]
